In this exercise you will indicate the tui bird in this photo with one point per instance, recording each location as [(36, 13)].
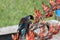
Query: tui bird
[(24, 25)]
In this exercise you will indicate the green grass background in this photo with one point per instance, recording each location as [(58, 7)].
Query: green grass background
[(11, 11)]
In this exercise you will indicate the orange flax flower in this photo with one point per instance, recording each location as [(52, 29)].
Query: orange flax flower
[(58, 1), (37, 15), (50, 31), (14, 37), (45, 8), (56, 31), (50, 28), (42, 31), (52, 3), (30, 35)]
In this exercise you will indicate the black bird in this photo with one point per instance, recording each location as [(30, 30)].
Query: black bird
[(24, 25)]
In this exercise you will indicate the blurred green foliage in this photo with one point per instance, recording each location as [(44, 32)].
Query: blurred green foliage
[(11, 11)]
